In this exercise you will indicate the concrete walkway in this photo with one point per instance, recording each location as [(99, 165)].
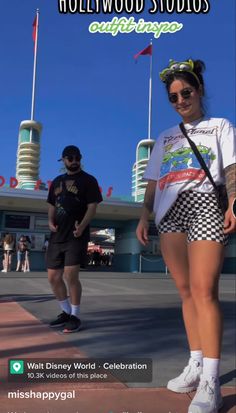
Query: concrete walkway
[(123, 315)]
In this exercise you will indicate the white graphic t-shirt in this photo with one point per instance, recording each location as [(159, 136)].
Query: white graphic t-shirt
[(175, 167)]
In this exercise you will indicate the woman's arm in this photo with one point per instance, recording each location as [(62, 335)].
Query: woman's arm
[(143, 225), (230, 178)]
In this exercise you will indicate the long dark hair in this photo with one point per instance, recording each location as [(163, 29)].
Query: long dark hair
[(195, 79)]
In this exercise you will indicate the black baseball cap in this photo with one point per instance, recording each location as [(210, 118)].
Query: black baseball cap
[(70, 150)]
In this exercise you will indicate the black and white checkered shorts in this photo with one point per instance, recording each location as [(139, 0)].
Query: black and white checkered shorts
[(198, 215)]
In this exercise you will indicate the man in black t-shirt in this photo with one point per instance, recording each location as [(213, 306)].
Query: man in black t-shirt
[(72, 199)]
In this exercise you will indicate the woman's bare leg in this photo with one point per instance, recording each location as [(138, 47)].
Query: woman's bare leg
[(175, 253), (205, 263)]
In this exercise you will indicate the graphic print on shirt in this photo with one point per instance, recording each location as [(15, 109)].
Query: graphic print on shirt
[(181, 164), (71, 187), (63, 199)]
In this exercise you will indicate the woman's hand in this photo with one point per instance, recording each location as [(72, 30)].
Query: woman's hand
[(230, 221), (230, 177), (143, 225)]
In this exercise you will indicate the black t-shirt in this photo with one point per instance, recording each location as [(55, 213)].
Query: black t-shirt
[(70, 194)]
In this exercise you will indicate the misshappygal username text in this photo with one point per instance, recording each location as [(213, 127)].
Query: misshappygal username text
[(45, 395)]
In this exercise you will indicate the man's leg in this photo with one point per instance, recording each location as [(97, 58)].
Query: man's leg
[(55, 277), (71, 274), (55, 264)]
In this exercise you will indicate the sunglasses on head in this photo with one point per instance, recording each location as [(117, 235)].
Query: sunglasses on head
[(72, 158), (185, 94)]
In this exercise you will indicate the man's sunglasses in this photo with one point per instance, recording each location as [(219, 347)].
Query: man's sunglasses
[(185, 94), (72, 158)]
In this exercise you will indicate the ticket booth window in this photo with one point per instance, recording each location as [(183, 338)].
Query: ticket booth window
[(17, 221)]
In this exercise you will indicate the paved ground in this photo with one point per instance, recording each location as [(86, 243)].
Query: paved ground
[(124, 315)]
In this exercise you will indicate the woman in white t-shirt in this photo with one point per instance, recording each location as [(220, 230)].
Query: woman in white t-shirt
[(193, 229)]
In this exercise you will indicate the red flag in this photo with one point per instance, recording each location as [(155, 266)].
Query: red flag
[(146, 51), (34, 28)]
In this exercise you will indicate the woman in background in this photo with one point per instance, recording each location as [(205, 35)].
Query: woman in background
[(21, 253), (8, 249), (27, 254)]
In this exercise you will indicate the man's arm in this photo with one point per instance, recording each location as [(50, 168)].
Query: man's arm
[(143, 225), (51, 218), (90, 213), (230, 178)]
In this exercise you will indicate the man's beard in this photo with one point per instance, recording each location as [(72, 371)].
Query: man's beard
[(73, 168)]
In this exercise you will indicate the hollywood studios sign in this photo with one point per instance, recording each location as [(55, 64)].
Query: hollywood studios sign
[(13, 183)]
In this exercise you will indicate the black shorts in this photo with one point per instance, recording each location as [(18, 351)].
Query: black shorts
[(63, 254)]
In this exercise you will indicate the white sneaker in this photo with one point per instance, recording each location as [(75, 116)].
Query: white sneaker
[(188, 380), (208, 398), (4, 270)]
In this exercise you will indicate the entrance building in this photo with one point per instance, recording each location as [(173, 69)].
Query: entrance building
[(24, 212)]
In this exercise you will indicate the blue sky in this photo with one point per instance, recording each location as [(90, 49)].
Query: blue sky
[(92, 94)]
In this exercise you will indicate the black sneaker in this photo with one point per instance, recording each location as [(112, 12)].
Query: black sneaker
[(72, 325), (61, 320)]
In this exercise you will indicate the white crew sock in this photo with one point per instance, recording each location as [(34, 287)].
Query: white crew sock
[(211, 367), (75, 310), (197, 355), (65, 305)]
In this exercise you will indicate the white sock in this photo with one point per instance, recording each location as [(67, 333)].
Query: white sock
[(75, 310), (197, 355), (211, 367), (65, 305)]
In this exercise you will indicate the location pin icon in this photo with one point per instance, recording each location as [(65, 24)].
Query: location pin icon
[(16, 366)]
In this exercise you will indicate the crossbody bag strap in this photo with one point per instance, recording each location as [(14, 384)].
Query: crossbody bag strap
[(198, 155)]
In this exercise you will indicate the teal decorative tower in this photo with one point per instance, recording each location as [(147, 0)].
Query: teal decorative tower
[(28, 154), (143, 152)]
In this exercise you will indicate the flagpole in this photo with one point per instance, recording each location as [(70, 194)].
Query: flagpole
[(150, 99), (146, 51), (35, 65)]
